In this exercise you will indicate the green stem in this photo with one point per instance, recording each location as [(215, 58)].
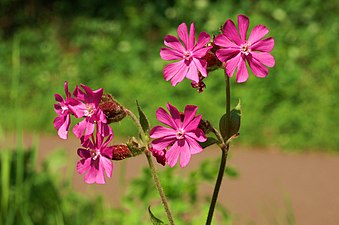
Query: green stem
[(159, 187), (224, 149), (153, 170)]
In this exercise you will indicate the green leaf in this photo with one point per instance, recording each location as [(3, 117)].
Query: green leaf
[(143, 119), (155, 220), (210, 141), (234, 126)]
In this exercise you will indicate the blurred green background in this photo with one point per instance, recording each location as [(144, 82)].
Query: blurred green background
[(115, 45)]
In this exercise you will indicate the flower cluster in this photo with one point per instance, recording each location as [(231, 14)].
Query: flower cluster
[(92, 130), (181, 136), (230, 50)]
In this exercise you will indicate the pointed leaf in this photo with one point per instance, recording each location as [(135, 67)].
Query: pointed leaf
[(234, 125), (143, 119), (235, 119), (155, 220), (210, 141)]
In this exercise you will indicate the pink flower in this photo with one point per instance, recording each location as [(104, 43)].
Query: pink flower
[(181, 137), (62, 108), (95, 159), (189, 54), (236, 50), (91, 111)]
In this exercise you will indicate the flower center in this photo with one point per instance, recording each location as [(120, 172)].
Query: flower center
[(245, 49), (187, 55), (180, 134), (90, 110), (95, 153), (63, 108)]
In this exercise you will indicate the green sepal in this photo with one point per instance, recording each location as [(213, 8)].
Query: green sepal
[(143, 119), (135, 147), (235, 122), (210, 141), (155, 220)]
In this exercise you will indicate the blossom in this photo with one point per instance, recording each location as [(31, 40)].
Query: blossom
[(89, 109), (181, 137), (235, 49), (96, 159), (62, 108), (189, 54)]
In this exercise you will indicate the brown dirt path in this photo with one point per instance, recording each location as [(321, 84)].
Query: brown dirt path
[(270, 184)]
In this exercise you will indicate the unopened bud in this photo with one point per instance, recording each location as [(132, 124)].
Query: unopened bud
[(212, 60), (112, 109), (200, 86), (121, 152)]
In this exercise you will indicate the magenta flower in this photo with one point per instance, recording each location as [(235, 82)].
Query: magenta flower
[(189, 54), (181, 137), (236, 49), (62, 108), (91, 111), (95, 159)]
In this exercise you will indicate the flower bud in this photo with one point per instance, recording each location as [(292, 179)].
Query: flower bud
[(112, 109), (121, 152), (212, 60)]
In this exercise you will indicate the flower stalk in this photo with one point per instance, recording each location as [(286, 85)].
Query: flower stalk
[(224, 151), (152, 167)]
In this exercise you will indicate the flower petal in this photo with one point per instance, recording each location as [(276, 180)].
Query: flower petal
[(243, 23), (183, 34), (200, 53), (192, 73), (194, 146), (265, 45), (242, 73), (203, 40), (190, 111), (191, 40), (162, 143), (107, 166), (170, 54), (165, 118), (175, 115), (185, 154), (180, 75), (230, 31), (197, 135), (232, 64), (172, 155), (79, 128), (225, 54), (201, 65), (257, 33), (172, 69), (265, 58), (160, 131), (174, 43), (63, 130), (83, 165), (257, 68)]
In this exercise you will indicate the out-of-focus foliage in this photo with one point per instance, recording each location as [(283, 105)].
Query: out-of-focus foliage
[(31, 196), (116, 45)]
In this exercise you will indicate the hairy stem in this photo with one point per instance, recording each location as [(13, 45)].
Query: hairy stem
[(159, 187), (153, 170), (224, 149)]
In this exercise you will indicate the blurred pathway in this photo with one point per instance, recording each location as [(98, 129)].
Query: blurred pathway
[(271, 185)]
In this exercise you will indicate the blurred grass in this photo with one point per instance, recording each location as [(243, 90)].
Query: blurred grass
[(116, 46)]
